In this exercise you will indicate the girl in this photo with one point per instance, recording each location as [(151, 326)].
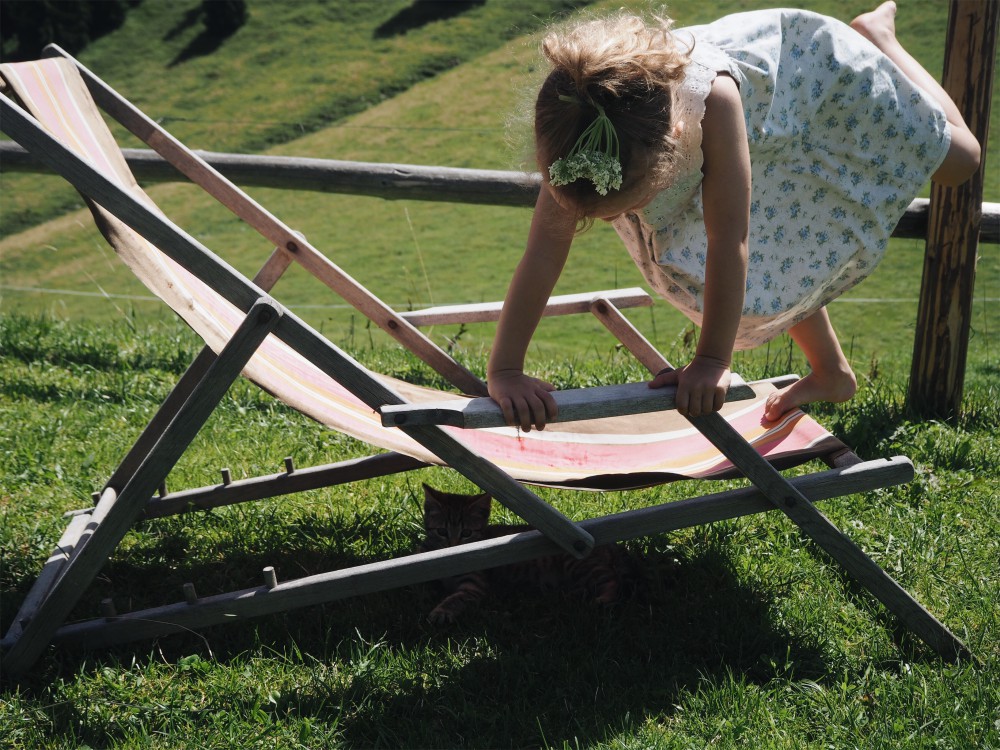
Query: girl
[(754, 168)]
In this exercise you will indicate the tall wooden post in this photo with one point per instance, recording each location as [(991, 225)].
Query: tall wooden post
[(944, 315)]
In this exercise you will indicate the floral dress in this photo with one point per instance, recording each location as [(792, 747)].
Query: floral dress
[(840, 143)]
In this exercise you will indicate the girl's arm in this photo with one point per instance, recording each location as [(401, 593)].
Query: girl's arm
[(525, 401), (702, 383)]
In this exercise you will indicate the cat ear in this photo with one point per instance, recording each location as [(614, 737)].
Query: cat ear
[(481, 503), (432, 498)]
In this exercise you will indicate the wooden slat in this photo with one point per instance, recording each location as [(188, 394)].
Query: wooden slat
[(574, 405), (153, 430), (607, 312), (275, 485), (414, 569), (489, 312), (47, 577), (273, 269)]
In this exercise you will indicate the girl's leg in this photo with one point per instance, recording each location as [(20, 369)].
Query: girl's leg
[(962, 160), (831, 378)]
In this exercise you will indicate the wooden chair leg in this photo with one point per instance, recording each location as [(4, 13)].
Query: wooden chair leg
[(834, 542), (163, 417), (104, 536)]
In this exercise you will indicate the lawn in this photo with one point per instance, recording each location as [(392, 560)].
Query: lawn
[(742, 632)]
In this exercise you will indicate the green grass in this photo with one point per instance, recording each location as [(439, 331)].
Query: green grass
[(743, 632), (293, 68)]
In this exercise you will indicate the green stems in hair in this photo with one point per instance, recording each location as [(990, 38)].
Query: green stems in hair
[(594, 156)]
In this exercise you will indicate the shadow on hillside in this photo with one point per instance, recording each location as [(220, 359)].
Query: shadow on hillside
[(422, 12), (529, 663), (188, 20), (206, 42), (202, 45)]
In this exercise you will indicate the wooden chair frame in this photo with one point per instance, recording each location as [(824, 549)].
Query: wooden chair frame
[(130, 494)]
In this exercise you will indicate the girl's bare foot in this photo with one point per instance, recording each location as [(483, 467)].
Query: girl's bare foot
[(878, 26), (836, 387)]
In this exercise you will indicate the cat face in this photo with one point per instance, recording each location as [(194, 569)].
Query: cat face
[(451, 519)]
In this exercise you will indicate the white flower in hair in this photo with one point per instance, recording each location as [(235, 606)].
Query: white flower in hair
[(594, 156)]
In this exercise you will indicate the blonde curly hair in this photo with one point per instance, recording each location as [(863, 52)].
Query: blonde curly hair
[(629, 68)]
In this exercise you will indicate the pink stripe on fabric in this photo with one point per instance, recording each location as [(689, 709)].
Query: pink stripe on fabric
[(45, 90)]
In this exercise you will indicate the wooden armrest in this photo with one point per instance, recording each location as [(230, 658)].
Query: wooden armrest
[(488, 312), (574, 405)]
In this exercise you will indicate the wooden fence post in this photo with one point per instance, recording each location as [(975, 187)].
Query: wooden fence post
[(944, 314)]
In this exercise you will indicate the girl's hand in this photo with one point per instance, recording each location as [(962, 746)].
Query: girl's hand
[(524, 400), (701, 385)]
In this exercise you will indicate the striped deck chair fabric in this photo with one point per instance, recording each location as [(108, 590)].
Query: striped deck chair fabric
[(613, 452)]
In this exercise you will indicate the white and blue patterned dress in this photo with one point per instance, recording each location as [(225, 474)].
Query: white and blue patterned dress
[(840, 143)]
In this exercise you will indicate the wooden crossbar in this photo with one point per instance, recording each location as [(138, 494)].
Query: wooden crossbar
[(564, 304), (405, 182), (576, 404)]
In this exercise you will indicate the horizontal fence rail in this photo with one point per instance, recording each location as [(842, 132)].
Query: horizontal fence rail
[(402, 182)]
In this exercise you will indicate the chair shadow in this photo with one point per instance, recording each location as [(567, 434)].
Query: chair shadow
[(687, 622)]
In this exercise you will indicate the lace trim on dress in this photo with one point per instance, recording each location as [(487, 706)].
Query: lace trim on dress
[(688, 109)]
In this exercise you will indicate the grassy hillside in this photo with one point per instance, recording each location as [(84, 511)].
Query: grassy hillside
[(293, 68), (743, 633)]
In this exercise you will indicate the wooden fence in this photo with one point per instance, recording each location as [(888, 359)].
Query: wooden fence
[(403, 182)]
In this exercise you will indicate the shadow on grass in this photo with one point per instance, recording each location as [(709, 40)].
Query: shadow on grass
[(419, 13), (518, 668)]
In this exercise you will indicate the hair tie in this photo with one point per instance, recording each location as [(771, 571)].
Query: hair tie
[(594, 156)]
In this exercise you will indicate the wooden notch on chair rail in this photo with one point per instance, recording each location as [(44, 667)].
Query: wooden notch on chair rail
[(574, 405), (270, 577), (237, 491)]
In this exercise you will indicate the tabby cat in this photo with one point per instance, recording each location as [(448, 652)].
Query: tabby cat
[(605, 576)]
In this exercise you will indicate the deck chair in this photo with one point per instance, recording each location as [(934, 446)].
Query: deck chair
[(614, 437)]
